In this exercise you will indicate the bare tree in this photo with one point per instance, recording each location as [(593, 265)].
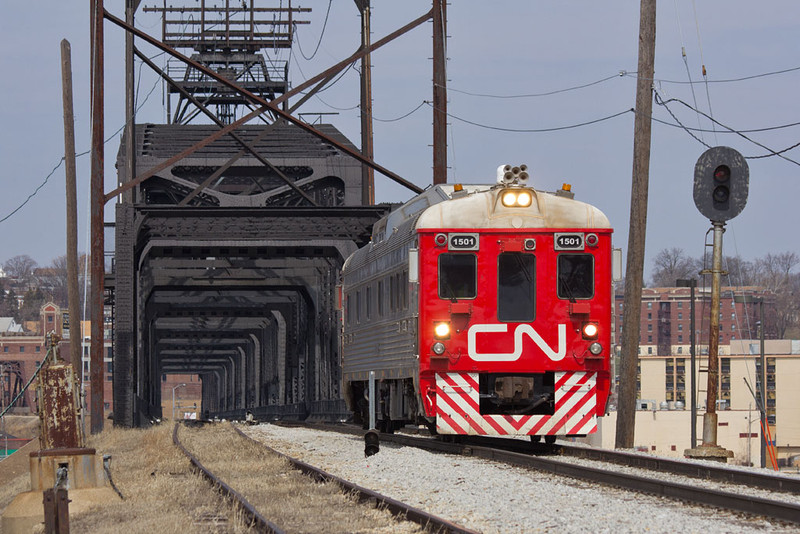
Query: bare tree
[(671, 264), (774, 272), (20, 267)]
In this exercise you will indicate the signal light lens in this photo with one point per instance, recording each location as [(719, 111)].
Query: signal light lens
[(721, 193), (590, 330), (441, 330)]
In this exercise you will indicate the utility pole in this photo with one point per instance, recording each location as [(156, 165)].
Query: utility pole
[(96, 210), (73, 297), (634, 271), (367, 173), (440, 92)]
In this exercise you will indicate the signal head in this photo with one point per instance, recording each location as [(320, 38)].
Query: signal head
[(721, 183)]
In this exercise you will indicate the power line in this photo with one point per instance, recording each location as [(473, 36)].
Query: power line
[(548, 93), (402, 116), (537, 130), (779, 153), (322, 33), (728, 80)]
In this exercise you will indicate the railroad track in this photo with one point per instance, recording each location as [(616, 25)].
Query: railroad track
[(546, 458), (260, 523), (750, 504)]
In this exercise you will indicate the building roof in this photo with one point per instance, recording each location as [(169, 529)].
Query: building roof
[(8, 324)]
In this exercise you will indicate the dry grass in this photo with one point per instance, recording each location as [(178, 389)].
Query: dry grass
[(280, 493), (162, 495)]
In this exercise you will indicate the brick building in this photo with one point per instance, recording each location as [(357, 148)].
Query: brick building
[(22, 352)]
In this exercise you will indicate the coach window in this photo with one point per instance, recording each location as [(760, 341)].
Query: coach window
[(458, 276), (575, 276), (516, 286)]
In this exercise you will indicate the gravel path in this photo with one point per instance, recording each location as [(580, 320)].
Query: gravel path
[(496, 498)]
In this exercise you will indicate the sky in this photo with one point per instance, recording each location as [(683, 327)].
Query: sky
[(547, 84)]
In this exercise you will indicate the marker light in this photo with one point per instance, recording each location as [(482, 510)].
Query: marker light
[(440, 240), (592, 240), (441, 330), (590, 331), (595, 348), (438, 347)]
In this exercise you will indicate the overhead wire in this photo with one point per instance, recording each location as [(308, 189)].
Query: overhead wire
[(703, 63), (664, 103), (621, 74), (686, 64), (536, 130), (322, 33)]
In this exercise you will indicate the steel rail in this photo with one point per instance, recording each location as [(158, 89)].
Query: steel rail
[(259, 521), (720, 499), (705, 471), (395, 507)]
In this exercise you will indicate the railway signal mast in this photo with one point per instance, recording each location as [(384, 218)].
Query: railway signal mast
[(721, 183)]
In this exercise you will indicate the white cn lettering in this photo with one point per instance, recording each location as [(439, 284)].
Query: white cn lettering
[(521, 330)]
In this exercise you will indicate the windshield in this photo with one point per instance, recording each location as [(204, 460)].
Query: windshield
[(575, 276), (458, 276), (516, 286)]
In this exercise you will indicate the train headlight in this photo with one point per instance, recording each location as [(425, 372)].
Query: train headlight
[(516, 198), (438, 347), (595, 348), (441, 331), (589, 331), (509, 199), (524, 199)]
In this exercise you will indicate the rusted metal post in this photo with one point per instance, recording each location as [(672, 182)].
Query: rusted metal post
[(634, 270), (73, 297), (96, 210), (710, 417), (367, 173), (439, 92)]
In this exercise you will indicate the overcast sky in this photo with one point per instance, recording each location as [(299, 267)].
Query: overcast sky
[(496, 50)]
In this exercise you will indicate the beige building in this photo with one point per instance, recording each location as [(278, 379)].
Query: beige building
[(663, 418)]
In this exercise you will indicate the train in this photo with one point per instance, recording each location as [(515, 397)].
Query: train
[(482, 310)]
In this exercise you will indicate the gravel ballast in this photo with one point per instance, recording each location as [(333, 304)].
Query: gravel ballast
[(492, 497)]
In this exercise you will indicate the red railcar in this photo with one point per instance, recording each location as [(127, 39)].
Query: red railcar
[(482, 310)]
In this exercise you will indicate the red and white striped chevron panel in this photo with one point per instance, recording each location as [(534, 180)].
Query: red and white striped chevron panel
[(458, 408)]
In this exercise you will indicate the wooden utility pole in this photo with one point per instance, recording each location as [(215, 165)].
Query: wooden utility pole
[(96, 210), (73, 298), (626, 400), (367, 173), (439, 92)]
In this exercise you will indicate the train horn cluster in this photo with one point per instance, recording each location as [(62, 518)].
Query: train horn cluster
[(508, 175)]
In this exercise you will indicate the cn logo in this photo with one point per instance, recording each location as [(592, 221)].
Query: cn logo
[(521, 330)]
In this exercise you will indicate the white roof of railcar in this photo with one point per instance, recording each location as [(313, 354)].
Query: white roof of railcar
[(479, 206)]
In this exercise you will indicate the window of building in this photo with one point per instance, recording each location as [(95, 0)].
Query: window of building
[(649, 328), (368, 302), (649, 315), (649, 350), (22, 348), (680, 328), (649, 339), (733, 316), (733, 327), (649, 305), (680, 314), (680, 304), (49, 318), (680, 349), (5, 349)]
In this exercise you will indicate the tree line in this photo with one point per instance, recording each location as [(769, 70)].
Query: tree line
[(35, 285), (778, 273)]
